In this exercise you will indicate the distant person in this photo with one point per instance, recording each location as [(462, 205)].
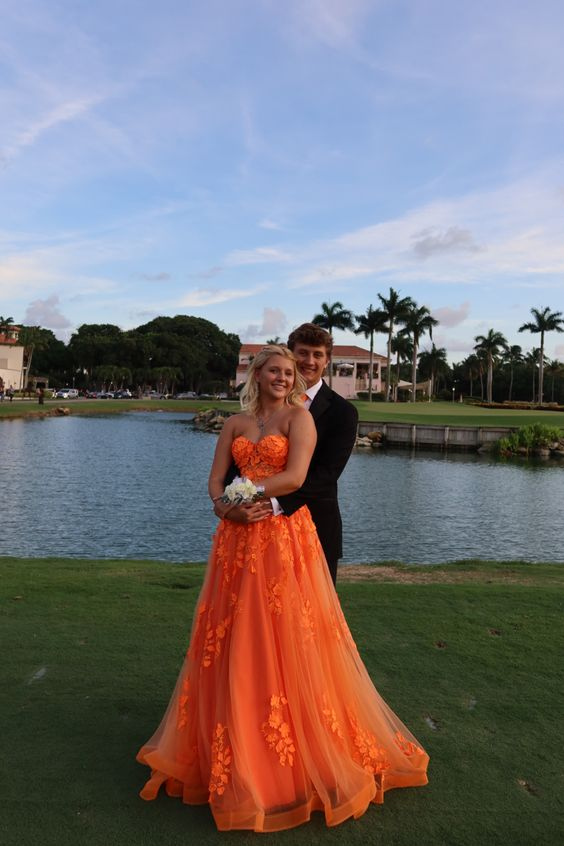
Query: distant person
[(41, 396)]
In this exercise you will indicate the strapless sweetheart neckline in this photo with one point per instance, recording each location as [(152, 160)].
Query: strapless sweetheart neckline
[(256, 443)]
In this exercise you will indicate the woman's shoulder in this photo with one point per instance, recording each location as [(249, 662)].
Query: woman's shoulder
[(298, 415), (237, 424)]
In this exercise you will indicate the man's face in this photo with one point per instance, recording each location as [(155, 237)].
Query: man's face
[(311, 362)]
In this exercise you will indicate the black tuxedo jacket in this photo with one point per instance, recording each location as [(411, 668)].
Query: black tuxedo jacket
[(336, 423)]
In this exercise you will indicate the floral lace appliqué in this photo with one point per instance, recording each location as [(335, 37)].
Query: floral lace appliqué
[(308, 624), (277, 731), (221, 760), (366, 750), (214, 638), (407, 746), (182, 718), (331, 719), (274, 596)]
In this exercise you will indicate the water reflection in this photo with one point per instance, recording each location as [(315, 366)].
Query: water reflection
[(135, 485)]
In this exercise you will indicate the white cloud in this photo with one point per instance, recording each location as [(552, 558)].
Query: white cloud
[(454, 239), (452, 316), (46, 313), (154, 277), (274, 322), (267, 223), (259, 255), (324, 276), (63, 113), (212, 296)]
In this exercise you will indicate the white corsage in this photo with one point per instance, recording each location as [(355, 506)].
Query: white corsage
[(242, 490)]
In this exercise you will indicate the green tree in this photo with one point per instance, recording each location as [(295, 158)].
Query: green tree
[(402, 348), (417, 321), (395, 308), (372, 321), (513, 355), (5, 323), (544, 321), (433, 363), (333, 316), (554, 368), (491, 345)]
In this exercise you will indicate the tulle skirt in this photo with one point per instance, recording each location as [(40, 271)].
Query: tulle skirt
[(274, 714)]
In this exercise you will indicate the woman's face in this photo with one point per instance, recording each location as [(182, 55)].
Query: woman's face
[(276, 377)]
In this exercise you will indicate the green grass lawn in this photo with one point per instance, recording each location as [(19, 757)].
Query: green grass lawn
[(440, 413), (92, 649), (454, 414)]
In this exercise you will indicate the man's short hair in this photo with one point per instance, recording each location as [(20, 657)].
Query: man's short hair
[(312, 335)]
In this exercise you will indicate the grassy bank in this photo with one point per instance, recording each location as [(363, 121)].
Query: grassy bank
[(440, 413), (92, 649)]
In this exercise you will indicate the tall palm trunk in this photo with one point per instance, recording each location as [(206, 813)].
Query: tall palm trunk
[(414, 370), (490, 378), (389, 364), (510, 382), (396, 392), (370, 366), (541, 369)]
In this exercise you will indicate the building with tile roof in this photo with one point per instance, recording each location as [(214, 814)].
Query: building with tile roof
[(350, 368)]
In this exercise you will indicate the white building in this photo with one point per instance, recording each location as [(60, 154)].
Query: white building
[(11, 359), (350, 368)]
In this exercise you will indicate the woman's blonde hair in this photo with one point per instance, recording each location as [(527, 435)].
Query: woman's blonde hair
[(250, 393)]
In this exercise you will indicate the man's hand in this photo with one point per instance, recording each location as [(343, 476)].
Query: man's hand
[(251, 513)]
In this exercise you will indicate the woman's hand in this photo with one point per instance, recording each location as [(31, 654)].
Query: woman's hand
[(251, 513)]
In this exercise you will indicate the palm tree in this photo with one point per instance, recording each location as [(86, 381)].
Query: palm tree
[(417, 321), (374, 320), (472, 365), (532, 361), (544, 321), (513, 355), (274, 341), (433, 362), (5, 322), (33, 339), (395, 309), (491, 346), (333, 316), (555, 368), (403, 350)]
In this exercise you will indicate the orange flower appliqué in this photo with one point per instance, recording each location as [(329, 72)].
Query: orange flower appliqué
[(277, 731), (366, 751), (182, 718), (221, 761)]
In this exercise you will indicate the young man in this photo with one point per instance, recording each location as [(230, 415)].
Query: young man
[(336, 423)]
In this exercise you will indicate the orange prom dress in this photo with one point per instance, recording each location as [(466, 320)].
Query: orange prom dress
[(274, 714)]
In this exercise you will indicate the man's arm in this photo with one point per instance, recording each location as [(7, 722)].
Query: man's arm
[(332, 453)]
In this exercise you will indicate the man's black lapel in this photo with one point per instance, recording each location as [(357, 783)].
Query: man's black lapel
[(321, 401)]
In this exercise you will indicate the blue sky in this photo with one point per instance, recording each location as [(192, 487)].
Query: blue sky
[(245, 160)]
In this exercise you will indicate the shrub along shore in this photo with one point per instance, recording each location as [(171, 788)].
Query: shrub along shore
[(468, 654)]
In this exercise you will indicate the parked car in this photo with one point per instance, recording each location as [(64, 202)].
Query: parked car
[(67, 393), (105, 395), (187, 395), (124, 393)]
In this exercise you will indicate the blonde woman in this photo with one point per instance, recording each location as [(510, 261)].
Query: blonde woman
[(274, 715)]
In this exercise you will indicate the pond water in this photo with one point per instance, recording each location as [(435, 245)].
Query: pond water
[(135, 486)]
